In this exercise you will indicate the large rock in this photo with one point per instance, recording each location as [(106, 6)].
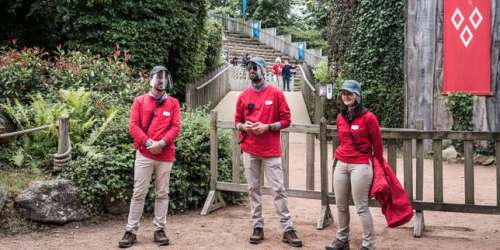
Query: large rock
[(55, 201), (484, 160), (450, 154), (114, 206)]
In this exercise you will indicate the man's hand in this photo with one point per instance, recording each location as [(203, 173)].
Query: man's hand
[(247, 126), (259, 128), (155, 148)]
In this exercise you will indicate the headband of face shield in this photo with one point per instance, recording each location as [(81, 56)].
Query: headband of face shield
[(161, 80), (259, 71)]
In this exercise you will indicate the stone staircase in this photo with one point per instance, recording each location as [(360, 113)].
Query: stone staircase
[(237, 44)]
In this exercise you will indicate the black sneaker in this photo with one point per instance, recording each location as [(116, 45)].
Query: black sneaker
[(161, 238), (291, 238), (364, 248), (128, 240), (257, 235), (338, 245)]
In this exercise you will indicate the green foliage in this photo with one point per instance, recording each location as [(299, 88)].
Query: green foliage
[(314, 38), (461, 107), (151, 32), (374, 53), (321, 73), (215, 33), (98, 175), (273, 13), (22, 72)]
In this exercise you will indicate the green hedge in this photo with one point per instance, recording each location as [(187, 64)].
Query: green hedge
[(170, 32)]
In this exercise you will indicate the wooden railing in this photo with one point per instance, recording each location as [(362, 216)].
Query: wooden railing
[(63, 155), (309, 91), (210, 89), (392, 137)]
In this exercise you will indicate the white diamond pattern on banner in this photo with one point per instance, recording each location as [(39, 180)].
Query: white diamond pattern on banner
[(475, 19)]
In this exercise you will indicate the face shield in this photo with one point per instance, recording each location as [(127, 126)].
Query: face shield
[(161, 80)]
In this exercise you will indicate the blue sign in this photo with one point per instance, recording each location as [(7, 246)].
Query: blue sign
[(244, 9), (256, 29), (302, 46)]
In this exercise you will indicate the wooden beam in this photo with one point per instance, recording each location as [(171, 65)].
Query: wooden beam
[(437, 149), (469, 172), (310, 161)]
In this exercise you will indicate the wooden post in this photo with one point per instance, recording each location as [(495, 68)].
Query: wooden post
[(469, 172), (236, 156), (189, 97), (497, 163), (408, 171), (325, 218), (63, 155), (285, 156), (420, 163), (214, 200), (437, 148), (392, 154), (310, 161), (418, 221)]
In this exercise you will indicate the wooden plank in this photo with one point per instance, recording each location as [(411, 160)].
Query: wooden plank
[(214, 153), (323, 161), (285, 156), (419, 155), (497, 163), (456, 208), (407, 165), (469, 172), (418, 224), (236, 156), (392, 154), (310, 161), (243, 188), (437, 149)]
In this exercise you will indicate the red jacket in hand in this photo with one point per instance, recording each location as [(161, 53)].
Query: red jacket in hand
[(396, 206), (166, 125)]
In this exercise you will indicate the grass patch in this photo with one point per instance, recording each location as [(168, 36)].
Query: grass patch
[(16, 180)]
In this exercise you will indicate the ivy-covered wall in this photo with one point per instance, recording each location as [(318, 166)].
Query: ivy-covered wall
[(367, 40)]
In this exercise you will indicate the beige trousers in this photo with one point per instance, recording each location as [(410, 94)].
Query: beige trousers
[(143, 171), (274, 174)]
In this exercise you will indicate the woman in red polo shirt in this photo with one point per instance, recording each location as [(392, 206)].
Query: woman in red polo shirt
[(359, 141)]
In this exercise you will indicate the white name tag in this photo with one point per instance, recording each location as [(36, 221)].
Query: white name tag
[(268, 102), (354, 127), (166, 113)]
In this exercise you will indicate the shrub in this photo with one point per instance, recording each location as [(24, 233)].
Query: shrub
[(98, 175)]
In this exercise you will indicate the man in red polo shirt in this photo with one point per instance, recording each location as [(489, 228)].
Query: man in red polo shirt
[(154, 126), (261, 112)]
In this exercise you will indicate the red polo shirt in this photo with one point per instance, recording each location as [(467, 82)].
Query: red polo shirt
[(166, 125), (366, 132), (269, 106)]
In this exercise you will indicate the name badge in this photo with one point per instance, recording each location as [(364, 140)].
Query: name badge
[(354, 127), (268, 102), (166, 113)]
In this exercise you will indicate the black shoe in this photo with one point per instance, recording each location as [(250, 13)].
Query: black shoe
[(161, 238), (128, 240), (257, 235), (291, 238), (338, 245), (364, 248)]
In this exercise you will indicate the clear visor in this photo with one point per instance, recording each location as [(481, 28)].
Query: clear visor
[(160, 80)]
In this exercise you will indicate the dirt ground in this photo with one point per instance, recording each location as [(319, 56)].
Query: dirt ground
[(229, 228)]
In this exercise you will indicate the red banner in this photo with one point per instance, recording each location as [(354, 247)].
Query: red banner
[(466, 49)]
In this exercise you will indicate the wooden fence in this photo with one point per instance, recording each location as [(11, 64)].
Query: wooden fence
[(392, 137), (210, 89), (63, 155)]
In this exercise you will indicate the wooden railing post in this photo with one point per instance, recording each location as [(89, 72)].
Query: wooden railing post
[(214, 199), (63, 155), (326, 214), (418, 221), (285, 157), (310, 161)]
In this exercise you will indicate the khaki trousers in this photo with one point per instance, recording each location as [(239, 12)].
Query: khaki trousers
[(143, 171)]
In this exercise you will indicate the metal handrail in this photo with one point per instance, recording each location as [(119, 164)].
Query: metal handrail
[(213, 78)]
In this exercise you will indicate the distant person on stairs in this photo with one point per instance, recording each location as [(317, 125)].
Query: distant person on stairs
[(277, 67), (261, 112), (155, 123), (286, 73)]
